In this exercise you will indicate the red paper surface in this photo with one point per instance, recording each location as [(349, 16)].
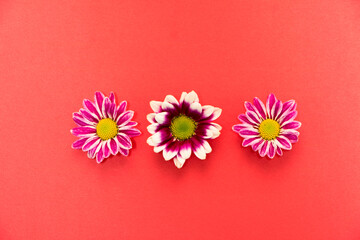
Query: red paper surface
[(53, 54)]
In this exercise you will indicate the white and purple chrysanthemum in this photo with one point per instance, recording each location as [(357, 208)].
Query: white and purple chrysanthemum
[(269, 129), (179, 128), (104, 128)]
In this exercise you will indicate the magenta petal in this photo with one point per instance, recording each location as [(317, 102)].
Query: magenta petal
[(236, 128), (113, 146), (91, 108), (124, 118), (258, 145), (79, 143), (89, 116), (131, 124), (269, 104), (253, 117), (100, 156), (288, 117), (99, 98), (292, 137), (292, 125), (91, 143), (106, 107), (250, 141), (80, 121), (131, 132), (272, 150), (80, 131), (279, 151), (287, 107), (276, 110), (244, 118), (264, 149), (106, 150), (112, 97), (249, 106), (124, 141), (247, 132), (91, 153), (124, 152), (120, 109), (260, 107), (284, 142)]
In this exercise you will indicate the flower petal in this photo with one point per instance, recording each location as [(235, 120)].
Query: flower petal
[(159, 138), (156, 106), (257, 146), (113, 145), (245, 119), (195, 110), (163, 118), (293, 138), (287, 107), (171, 99), (283, 142), (185, 149), (89, 116), (106, 149), (100, 155), (198, 149), (287, 118), (246, 133), (171, 150), (131, 132), (236, 128), (292, 125), (112, 97), (260, 107), (99, 98), (124, 118), (91, 143), (78, 144), (83, 131), (276, 110), (207, 110), (251, 141), (264, 149), (179, 161), (120, 109), (124, 141), (90, 106), (271, 100), (151, 117), (272, 150), (123, 151), (253, 117), (191, 97)]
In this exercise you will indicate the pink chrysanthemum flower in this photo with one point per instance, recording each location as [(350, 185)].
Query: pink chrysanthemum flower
[(182, 127), (269, 129), (104, 128)]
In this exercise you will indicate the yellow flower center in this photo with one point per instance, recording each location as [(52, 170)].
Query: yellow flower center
[(106, 129), (269, 129), (182, 127)]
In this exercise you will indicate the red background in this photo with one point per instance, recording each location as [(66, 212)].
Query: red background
[(55, 53)]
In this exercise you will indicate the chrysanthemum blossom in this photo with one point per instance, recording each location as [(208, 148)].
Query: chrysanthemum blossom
[(269, 129), (104, 128), (179, 128)]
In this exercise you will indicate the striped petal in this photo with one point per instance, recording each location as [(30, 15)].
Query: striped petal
[(271, 100), (260, 107)]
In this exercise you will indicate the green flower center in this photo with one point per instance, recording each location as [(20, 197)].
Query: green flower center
[(182, 127), (106, 129), (269, 129)]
